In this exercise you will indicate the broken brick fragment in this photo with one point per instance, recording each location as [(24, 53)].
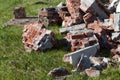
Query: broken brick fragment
[(62, 10), (95, 26), (80, 39), (19, 12), (74, 9), (88, 18), (76, 14), (37, 37)]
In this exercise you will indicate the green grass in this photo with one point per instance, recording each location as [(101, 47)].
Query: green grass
[(16, 64)]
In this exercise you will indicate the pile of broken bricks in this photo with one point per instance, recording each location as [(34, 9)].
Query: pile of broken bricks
[(89, 26), (37, 37)]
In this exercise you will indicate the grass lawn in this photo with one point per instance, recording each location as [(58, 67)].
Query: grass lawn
[(16, 64)]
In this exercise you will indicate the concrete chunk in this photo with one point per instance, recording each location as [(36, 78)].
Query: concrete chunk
[(116, 21), (83, 64), (116, 37), (114, 6), (73, 58), (72, 28), (93, 7)]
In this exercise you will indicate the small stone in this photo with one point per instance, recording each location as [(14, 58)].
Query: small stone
[(92, 73), (58, 72)]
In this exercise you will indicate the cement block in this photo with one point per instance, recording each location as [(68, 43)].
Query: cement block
[(73, 58), (92, 7)]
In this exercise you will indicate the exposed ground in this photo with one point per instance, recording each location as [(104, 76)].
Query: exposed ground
[(16, 64)]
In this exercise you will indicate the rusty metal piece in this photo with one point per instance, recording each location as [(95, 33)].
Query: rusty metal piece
[(19, 12)]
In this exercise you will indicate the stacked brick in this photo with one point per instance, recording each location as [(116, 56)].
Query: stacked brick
[(63, 10), (37, 37), (80, 39), (75, 12), (49, 16)]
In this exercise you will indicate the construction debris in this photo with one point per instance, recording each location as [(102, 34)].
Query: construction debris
[(57, 72), (19, 12), (75, 13), (74, 57), (21, 22), (116, 21), (114, 6), (49, 16), (116, 37), (75, 27), (88, 27), (62, 10), (37, 37), (93, 7), (80, 39), (92, 73), (20, 18), (88, 18)]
